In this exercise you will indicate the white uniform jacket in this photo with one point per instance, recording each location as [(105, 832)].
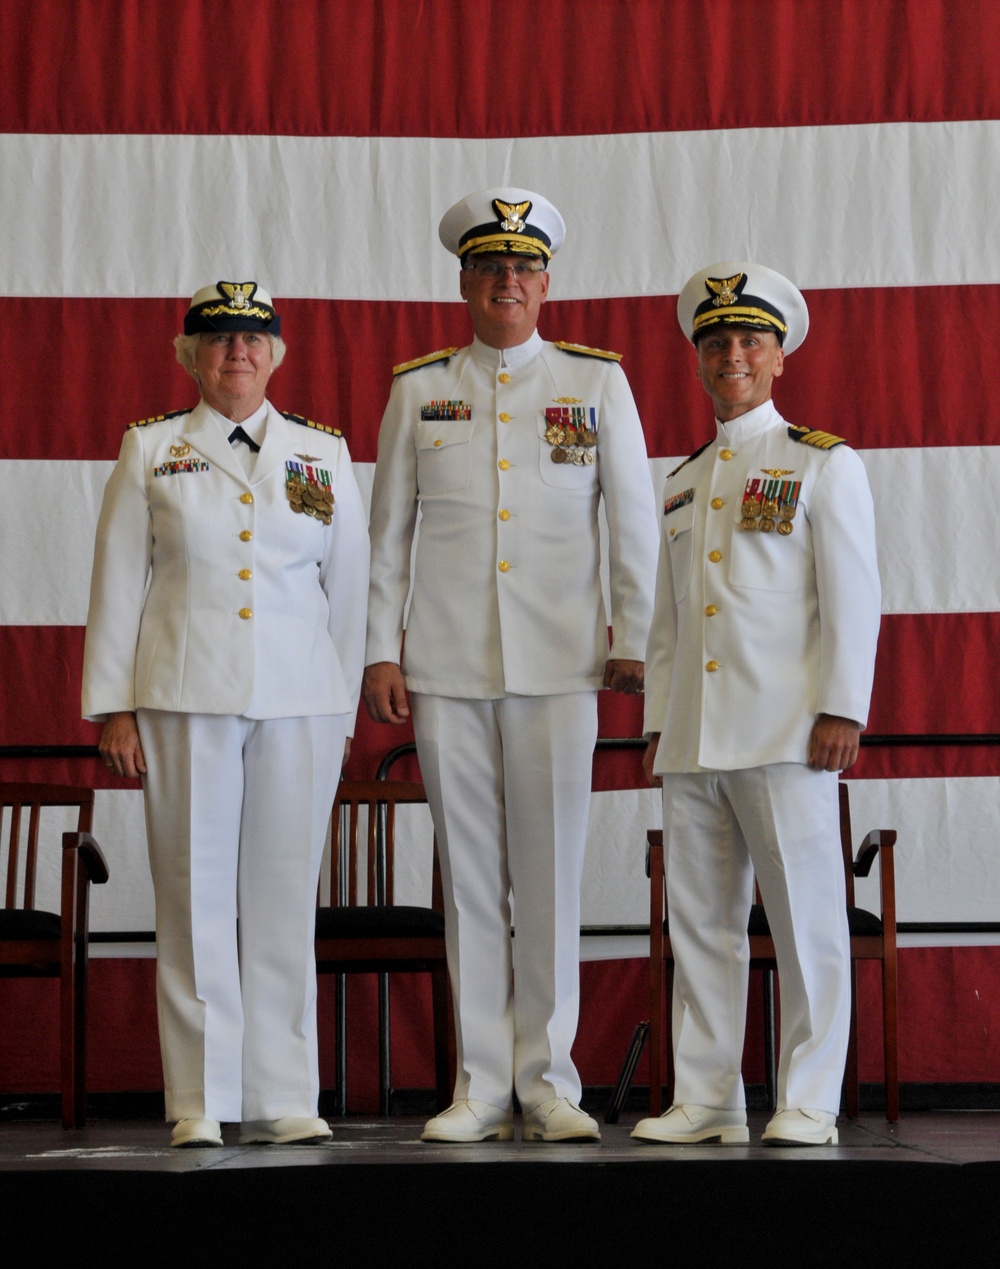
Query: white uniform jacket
[(209, 594), (506, 588), (754, 633)]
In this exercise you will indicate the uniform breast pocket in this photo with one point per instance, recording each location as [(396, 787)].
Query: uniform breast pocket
[(444, 456), (775, 560), (570, 467), (678, 529)]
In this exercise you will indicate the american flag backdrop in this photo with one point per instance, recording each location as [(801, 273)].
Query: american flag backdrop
[(151, 146)]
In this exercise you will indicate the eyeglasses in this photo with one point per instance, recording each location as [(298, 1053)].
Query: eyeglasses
[(494, 269)]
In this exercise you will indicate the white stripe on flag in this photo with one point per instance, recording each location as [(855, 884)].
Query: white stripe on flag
[(893, 204)]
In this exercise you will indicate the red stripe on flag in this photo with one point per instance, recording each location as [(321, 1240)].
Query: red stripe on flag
[(477, 69), (928, 680), (874, 369)]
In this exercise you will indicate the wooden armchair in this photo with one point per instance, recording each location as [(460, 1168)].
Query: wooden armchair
[(873, 937), (38, 944), (377, 935)]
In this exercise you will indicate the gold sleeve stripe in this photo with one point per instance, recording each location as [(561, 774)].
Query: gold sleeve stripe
[(810, 436), (158, 418), (304, 422), (441, 355), (583, 351)]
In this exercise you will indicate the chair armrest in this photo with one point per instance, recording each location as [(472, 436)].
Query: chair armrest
[(90, 855), (878, 839)]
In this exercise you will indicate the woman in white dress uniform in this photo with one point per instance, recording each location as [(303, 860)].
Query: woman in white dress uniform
[(225, 644)]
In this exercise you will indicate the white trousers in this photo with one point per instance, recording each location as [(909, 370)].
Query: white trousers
[(720, 828), (508, 783), (236, 815)]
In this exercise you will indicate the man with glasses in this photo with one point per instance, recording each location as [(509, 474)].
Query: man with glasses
[(507, 448)]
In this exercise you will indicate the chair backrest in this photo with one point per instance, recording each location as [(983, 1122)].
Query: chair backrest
[(20, 820), (846, 842), (363, 839)]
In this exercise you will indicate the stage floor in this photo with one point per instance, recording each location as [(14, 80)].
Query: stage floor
[(375, 1195), (953, 1137)]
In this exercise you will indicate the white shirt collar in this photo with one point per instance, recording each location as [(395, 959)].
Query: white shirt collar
[(507, 358)]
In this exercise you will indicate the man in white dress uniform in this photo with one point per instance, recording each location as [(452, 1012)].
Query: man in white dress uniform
[(760, 664), (507, 448)]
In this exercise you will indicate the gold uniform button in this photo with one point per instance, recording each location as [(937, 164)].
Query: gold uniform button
[(725, 455), (503, 566), (715, 556), (718, 504), (246, 613), (505, 514), (672, 532), (505, 417), (504, 378), (246, 535), (711, 610), (247, 498), (503, 464), (244, 574), (711, 666), (438, 444)]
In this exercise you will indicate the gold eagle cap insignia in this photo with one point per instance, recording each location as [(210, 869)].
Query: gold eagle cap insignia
[(776, 472), (238, 293), (511, 215), (724, 289)]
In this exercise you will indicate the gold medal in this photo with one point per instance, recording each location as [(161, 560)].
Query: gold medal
[(748, 523), (787, 513), (559, 455), (785, 527), (766, 525)]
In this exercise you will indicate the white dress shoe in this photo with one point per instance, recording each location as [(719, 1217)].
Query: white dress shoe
[(469, 1120), (292, 1130), (685, 1125), (190, 1133), (801, 1128), (559, 1120)]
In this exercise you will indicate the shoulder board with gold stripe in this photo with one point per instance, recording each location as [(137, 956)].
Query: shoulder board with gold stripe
[(690, 458), (580, 350), (304, 422), (158, 418), (441, 355), (809, 436)]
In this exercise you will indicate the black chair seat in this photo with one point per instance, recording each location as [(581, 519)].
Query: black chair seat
[(28, 923), (863, 924), (860, 923), (399, 922)]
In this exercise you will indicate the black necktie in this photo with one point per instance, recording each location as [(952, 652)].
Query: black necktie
[(238, 434)]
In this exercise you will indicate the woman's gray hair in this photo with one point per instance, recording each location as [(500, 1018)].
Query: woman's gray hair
[(186, 348)]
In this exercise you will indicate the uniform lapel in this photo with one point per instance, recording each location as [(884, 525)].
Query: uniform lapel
[(275, 447), (207, 439)]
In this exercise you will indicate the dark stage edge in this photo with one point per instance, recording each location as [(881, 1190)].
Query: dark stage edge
[(375, 1195)]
